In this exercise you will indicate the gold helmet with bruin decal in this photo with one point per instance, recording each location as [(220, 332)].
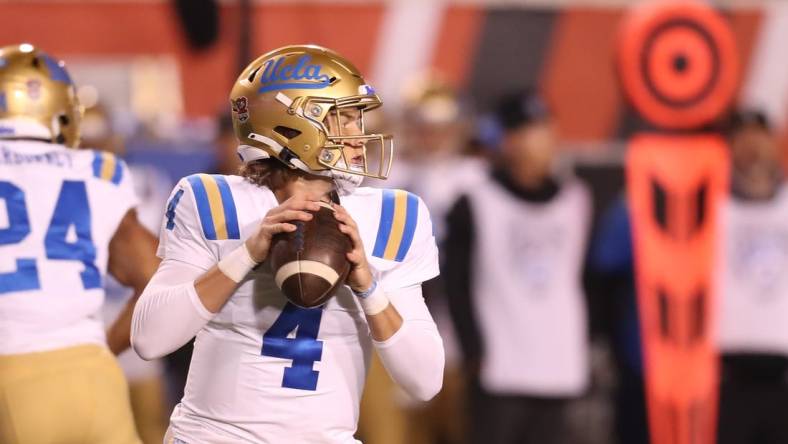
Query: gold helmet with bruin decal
[(37, 97), (281, 104)]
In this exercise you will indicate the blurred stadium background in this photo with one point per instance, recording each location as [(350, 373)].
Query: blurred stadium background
[(155, 75), (163, 67)]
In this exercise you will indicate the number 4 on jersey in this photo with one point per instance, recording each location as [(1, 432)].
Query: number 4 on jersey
[(304, 349)]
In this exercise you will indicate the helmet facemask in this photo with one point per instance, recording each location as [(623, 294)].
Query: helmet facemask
[(375, 147)]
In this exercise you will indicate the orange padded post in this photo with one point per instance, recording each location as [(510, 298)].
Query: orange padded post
[(674, 183), (678, 65)]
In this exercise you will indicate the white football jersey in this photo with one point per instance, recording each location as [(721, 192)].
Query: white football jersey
[(59, 209), (264, 370)]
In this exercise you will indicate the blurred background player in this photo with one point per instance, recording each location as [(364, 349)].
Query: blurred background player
[(514, 250), (152, 187), (753, 286), (432, 158), (67, 218)]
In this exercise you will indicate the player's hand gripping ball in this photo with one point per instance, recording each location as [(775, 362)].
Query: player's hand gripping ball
[(310, 263)]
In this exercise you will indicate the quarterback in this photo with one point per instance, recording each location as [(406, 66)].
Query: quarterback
[(263, 369), (66, 219)]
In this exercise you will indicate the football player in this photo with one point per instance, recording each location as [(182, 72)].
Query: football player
[(66, 218), (263, 369)]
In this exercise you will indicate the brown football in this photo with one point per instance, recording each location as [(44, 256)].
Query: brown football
[(311, 263)]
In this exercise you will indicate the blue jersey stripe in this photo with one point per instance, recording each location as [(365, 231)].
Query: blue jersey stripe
[(203, 207), (386, 221), (98, 162), (411, 220), (228, 204), (117, 175)]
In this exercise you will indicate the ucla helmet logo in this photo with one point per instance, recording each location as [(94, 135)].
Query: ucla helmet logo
[(278, 75)]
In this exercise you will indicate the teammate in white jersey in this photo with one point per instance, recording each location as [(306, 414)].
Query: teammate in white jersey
[(66, 219), (264, 370)]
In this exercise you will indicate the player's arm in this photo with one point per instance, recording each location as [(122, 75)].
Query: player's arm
[(132, 261), (182, 298), (402, 329), (414, 355)]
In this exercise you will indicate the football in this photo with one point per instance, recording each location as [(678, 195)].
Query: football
[(311, 263)]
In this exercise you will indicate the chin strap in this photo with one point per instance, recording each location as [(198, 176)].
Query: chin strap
[(249, 153), (346, 183)]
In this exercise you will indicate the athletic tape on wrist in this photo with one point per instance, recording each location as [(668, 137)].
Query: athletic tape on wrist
[(237, 264), (375, 302)]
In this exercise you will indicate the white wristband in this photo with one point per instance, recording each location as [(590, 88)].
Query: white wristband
[(375, 302), (237, 264)]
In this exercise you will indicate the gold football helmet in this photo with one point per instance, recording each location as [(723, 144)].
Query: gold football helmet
[(37, 97), (281, 104)]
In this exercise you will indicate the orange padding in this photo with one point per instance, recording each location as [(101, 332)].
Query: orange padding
[(674, 185)]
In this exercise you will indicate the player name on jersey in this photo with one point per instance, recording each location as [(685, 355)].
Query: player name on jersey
[(55, 157)]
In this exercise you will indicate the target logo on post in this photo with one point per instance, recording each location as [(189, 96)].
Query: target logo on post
[(678, 63)]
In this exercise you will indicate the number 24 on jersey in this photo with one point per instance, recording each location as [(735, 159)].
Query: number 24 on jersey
[(71, 209)]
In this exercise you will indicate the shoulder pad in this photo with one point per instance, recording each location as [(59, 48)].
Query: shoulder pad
[(399, 215), (215, 206)]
